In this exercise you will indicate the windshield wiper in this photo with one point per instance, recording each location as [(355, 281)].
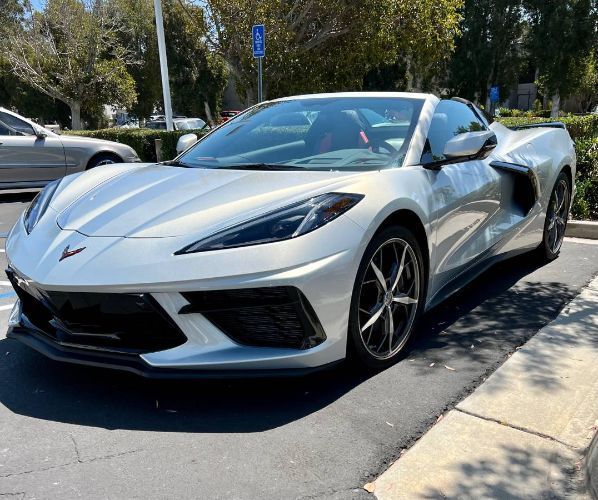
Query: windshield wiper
[(260, 166), (175, 163)]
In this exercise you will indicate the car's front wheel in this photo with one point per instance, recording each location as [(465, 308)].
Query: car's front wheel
[(103, 159), (557, 214), (387, 298)]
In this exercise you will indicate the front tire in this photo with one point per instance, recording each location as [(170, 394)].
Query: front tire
[(103, 159), (388, 297), (557, 214)]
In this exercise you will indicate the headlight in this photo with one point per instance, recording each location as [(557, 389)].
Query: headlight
[(39, 205), (283, 224)]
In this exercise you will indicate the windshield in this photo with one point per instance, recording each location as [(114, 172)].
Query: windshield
[(332, 133)]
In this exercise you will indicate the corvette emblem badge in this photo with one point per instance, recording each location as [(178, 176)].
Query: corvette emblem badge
[(66, 253)]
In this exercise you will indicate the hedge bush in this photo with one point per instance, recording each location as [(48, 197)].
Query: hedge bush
[(579, 126), (141, 140)]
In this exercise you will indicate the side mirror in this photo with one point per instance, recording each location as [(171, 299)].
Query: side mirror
[(40, 133), (185, 142), (471, 144)]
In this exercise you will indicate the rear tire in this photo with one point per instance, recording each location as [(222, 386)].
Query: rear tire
[(388, 297), (103, 159), (557, 214)]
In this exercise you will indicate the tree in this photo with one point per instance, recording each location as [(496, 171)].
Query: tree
[(588, 82), (489, 51), (197, 76), (70, 51), (562, 34), (329, 45)]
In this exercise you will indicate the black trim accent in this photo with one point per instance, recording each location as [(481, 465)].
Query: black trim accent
[(136, 365), (263, 317), (485, 118), (122, 323), (540, 125), (483, 153), (526, 195)]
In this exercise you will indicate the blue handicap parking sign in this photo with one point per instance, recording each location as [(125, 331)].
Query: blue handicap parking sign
[(259, 40), (494, 94)]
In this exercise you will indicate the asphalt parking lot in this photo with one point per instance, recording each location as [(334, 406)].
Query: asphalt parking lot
[(70, 432)]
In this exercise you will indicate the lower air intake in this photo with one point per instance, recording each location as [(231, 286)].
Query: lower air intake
[(261, 317)]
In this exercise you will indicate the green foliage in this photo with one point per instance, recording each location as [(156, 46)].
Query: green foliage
[(587, 158), (561, 35), (141, 140), (70, 51), (488, 51), (197, 76), (329, 45), (582, 126), (532, 113)]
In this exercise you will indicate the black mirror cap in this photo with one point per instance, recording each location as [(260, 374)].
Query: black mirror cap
[(488, 146)]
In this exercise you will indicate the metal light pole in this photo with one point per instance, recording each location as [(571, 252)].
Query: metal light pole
[(163, 64)]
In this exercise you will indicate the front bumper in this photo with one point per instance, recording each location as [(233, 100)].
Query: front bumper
[(135, 364), (321, 265)]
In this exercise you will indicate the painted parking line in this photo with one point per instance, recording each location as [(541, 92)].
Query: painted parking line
[(7, 295), (7, 307), (5, 283)]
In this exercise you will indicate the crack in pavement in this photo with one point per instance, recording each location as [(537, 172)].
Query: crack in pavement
[(332, 491), (76, 462), (516, 427)]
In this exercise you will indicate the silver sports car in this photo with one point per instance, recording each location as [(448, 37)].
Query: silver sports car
[(31, 156), (303, 231)]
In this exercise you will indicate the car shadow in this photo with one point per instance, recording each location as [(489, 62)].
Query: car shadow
[(494, 306), (17, 196)]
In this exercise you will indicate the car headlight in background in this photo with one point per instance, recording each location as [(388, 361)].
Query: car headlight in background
[(283, 224), (39, 205)]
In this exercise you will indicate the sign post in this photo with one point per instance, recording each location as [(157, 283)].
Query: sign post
[(494, 94), (259, 51)]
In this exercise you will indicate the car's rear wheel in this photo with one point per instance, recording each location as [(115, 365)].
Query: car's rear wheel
[(103, 159), (557, 214), (387, 298)]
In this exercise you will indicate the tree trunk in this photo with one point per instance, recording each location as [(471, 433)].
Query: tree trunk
[(556, 105), (75, 115)]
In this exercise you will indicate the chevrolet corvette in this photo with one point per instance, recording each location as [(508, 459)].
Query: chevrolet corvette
[(303, 231)]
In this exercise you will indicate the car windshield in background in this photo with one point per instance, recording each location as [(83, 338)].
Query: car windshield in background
[(332, 133)]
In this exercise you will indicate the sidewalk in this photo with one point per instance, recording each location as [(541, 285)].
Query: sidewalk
[(524, 432)]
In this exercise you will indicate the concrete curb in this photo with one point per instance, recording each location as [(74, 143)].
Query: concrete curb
[(592, 468), (524, 432), (582, 229)]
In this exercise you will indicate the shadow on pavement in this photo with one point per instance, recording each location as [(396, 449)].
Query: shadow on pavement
[(490, 309), (16, 197), (510, 472)]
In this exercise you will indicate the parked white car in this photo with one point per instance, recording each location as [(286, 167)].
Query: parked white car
[(270, 247)]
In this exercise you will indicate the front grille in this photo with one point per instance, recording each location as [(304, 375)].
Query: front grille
[(124, 323), (263, 317)]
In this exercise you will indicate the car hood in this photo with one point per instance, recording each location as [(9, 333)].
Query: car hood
[(149, 201)]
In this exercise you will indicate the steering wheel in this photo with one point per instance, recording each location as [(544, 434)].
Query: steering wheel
[(378, 144)]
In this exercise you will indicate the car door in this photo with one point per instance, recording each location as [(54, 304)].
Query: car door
[(26, 158), (467, 195)]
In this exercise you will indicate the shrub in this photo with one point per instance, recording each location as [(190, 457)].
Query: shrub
[(579, 126), (141, 140), (587, 158)]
